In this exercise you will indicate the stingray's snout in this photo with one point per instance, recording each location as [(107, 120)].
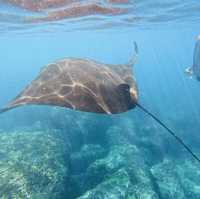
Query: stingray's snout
[(134, 95)]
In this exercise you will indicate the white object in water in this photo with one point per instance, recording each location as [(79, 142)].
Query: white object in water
[(194, 70)]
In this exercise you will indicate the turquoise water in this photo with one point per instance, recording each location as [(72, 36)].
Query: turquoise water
[(51, 152)]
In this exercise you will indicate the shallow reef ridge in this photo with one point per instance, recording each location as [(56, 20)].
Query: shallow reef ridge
[(32, 165), (83, 156)]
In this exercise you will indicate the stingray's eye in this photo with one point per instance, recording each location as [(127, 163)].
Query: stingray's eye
[(124, 88)]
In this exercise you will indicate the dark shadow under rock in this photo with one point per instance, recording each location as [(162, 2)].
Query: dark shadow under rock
[(79, 161)]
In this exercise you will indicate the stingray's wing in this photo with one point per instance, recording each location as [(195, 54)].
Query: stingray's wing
[(42, 90), (2, 110), (80, 85), (54, 86)]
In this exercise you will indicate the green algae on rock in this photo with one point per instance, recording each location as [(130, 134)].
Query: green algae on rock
[(32, 165), (122, 166), (177, 179), (113, 188)]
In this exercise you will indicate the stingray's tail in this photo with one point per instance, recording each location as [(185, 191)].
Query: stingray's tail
[(169, 131)]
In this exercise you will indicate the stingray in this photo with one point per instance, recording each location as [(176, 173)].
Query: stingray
[(89, 86), (194, 70)]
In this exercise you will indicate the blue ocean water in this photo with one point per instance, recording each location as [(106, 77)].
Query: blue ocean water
[(165, 33)]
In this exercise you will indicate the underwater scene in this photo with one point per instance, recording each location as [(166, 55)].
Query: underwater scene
[(99, 99)]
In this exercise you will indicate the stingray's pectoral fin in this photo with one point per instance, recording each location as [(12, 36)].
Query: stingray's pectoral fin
[(3, 110), (9, 107), (189, 71)]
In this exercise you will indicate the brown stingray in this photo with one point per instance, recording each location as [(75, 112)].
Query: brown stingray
[(82, 84), (89, 86)]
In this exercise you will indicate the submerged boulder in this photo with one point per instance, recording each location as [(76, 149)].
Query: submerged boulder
[(86, 156), (33, 164), (121, 174), (89, 157), (169, 183), (177, 179), (115, 187)]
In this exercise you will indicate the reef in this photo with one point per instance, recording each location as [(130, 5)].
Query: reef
[(73, 155), (33, 164)]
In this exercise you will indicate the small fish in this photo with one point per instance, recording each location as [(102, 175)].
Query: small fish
[(194, 70)]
